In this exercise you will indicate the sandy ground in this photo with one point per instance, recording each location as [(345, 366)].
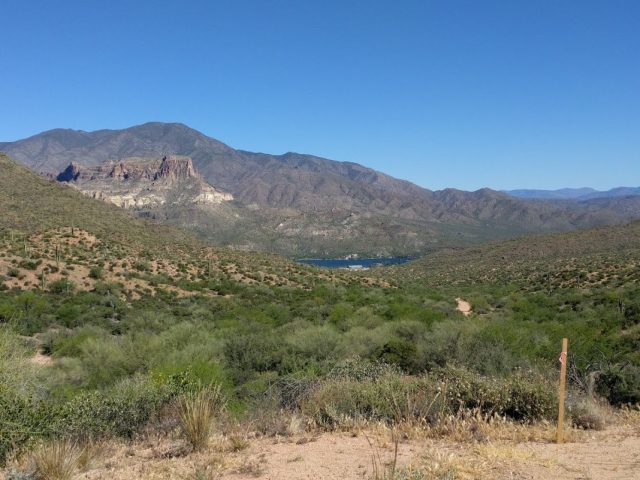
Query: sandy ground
[(609, 455), (464, 307), (605, 455), (41, 360)]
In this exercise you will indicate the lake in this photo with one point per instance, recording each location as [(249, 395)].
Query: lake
[(353, 262)]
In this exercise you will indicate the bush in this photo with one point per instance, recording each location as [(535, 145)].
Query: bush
[(400, 352), (336, 402), (530, 398), (29, 264), (361, 370), (520, 397), (620, 384), (142, 266), (62, 286), (95, 273), (22, 419), (120, 411), (448, 391)]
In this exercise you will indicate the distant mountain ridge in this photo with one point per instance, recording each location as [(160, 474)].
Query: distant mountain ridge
[(299, 204), (574, 193)]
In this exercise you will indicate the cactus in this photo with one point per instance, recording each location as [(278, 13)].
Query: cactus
[(43, 281)]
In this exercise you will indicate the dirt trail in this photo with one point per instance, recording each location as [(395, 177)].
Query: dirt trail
[(613, 454), (464, 307)]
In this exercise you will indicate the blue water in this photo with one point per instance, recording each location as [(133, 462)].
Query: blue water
[(363, 262)]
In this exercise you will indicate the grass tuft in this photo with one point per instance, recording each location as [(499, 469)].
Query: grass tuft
[(197, 412), (58, 460)]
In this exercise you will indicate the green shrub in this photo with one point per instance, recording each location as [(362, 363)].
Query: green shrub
[(519, 396), (29, 264), (400, 352), (620, 384), (335, 402), (22, 420), (142, 266), (530, 398), (448, 391), (62, 286), (95, 273), (120, 411), (361, 370)]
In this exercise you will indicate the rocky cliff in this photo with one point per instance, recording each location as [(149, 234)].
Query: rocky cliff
[(144, 183)]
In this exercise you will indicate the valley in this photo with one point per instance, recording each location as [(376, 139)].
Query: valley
[(294, 204)]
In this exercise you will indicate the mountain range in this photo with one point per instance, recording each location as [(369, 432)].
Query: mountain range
[(575, 193), (296, 204)]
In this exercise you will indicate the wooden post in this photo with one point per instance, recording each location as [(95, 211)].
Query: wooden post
[(563, 379)]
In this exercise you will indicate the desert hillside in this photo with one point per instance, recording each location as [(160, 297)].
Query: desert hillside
[(134, 350)]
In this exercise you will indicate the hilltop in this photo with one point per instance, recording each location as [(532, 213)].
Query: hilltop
[(297, 204)]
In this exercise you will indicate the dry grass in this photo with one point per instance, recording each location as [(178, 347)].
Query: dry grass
[(590, 414), (59, 460), (238, 442), (441, 466), (382, 470), (471, 426), (253, 467), (197, 412)]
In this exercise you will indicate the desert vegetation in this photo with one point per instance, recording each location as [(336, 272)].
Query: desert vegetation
[(116, 331)]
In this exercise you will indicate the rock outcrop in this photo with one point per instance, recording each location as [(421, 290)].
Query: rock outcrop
[(144, 183)]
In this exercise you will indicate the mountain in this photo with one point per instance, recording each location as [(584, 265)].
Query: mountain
[(299, 204), (574, 193), (614, 193)]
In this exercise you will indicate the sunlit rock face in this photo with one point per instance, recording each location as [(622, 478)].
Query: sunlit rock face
[(140, 183)]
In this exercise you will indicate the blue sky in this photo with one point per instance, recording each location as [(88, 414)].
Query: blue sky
[(466, 94)]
